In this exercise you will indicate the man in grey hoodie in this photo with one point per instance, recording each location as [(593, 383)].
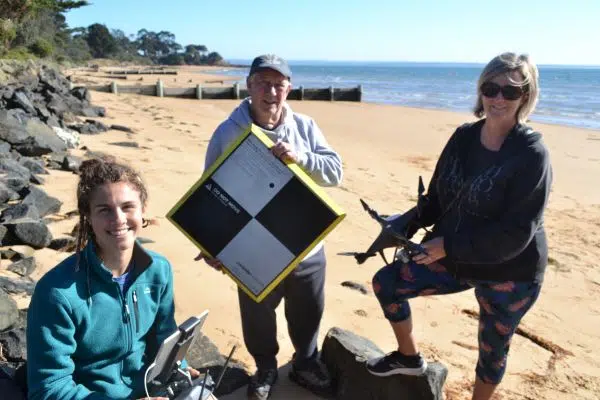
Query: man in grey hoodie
[(297, 138)]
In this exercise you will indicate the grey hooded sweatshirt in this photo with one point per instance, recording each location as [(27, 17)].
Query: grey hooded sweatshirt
[(315, 156)]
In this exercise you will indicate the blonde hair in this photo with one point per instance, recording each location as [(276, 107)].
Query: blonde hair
[(506, 63)]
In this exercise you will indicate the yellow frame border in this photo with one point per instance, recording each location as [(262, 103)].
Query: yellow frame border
[(298, 172)]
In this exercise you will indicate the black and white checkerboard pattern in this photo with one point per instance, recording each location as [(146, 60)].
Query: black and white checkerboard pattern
[(252, 206)]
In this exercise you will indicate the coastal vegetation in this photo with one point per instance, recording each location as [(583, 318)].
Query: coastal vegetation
[(38, 29)]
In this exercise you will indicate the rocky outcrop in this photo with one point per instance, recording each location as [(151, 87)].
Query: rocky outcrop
[(345, 353)]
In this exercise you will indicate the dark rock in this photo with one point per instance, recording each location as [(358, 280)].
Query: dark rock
[(29, 136), (6, 92), (204, 354), (126, 144), (57, 157), (34, 165), (21, 100), (9, 254), (41, 140), (57, 105), (235, 377), (95, 154), (17, 286), (356, 286), (30, 232), (93, 111), (121, 128), (17, 211), (91, 127), (14, 169), (6, 194), (63, 244), (4, 147), (4, 236), (40, 200), (15, 183), (71, 163), (9, 313), (12, 126), (51, 164), (345, 354), (82, 93), (17, 253), (23, 267), (53, 81), (36, 179), (43, 112), (53, 121), (14, 344)]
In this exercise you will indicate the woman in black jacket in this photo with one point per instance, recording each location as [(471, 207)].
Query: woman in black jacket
[(485, 201)]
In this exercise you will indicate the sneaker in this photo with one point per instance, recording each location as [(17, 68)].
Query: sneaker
[(314, 378), (396, 363), (261, 384)]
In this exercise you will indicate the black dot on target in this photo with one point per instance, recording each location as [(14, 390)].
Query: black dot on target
[(271, 185)]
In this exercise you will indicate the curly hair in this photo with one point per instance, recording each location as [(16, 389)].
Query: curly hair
[(96, 172)]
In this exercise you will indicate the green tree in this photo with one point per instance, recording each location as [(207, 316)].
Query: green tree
[(125, 47), (42, 48), (214, 58), (156, 45), (8, 32), (17, 10), (34, 19), (102, 44)]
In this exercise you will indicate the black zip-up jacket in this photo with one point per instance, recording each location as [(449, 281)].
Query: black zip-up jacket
[(494, 229)]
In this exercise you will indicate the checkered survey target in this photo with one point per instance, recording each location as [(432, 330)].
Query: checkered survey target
[(258, 215)]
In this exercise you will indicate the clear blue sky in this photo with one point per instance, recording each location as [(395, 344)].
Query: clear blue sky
[(551, 31)]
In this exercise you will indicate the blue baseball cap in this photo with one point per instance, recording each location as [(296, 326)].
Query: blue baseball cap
[(271, 61)]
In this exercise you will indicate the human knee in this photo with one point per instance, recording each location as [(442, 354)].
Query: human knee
[(383, 284)]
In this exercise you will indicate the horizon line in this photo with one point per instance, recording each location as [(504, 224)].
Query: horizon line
[(475, 63)]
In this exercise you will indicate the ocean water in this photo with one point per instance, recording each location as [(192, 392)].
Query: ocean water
[(568, 95)]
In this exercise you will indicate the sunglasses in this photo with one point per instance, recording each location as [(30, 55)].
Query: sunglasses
[(491, 89)]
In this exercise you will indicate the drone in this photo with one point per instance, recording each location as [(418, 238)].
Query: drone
[(393, 233)]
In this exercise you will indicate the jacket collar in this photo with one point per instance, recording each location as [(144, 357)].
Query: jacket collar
[(140, 257)]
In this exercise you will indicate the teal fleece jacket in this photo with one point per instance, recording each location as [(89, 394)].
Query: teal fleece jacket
[(86, 340)]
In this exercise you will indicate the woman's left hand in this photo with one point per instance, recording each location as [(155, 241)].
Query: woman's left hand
[(284, 151), (435, 251)]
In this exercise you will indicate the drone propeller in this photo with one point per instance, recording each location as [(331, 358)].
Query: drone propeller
[(374, 214), (421, 186)]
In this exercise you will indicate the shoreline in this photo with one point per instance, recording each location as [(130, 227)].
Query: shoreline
[(545, 119), (384, 149)]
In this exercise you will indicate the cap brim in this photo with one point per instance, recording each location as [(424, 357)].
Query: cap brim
[(282, 71)]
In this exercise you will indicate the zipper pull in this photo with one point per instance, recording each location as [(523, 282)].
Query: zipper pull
[(127, 313), (136, 311)]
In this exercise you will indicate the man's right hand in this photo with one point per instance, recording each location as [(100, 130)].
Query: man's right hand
[(213, 262)]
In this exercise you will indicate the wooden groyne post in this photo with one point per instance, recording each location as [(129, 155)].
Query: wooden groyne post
[(234, 92)]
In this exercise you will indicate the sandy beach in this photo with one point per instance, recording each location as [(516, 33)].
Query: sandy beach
[(384, 150)]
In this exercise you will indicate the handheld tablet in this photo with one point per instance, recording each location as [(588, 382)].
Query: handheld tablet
[(173, 349)]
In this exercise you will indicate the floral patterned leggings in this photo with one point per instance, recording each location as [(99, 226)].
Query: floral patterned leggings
[(501, 306)]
